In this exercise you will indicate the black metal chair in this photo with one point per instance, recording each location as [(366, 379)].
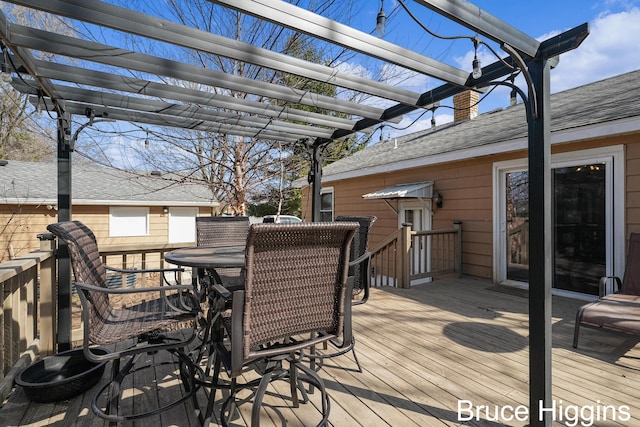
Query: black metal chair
[(293, 298), (620, 310), (145, 324), (218, 231), (359, 280)]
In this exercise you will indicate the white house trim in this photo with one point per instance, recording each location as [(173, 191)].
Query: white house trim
[(606, 129)]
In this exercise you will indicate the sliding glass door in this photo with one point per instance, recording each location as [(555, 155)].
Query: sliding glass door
[(579, 227), (584, 233)]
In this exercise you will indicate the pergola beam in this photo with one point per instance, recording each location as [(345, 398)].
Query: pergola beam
[(304, 21), (119, 83), (26, 59), (80, 109), (182, 111), (482, 22), (132, 22), (95, 52)]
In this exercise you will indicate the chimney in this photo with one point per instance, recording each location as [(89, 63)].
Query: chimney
[(465, 105)]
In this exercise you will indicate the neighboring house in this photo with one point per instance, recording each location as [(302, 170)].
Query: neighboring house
[(478, 167), (122, 208)]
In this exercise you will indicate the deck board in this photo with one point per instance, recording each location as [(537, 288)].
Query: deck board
[(422, 351)]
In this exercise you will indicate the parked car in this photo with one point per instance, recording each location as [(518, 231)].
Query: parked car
[(281, 219)]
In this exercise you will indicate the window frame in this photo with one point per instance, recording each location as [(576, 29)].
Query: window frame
[(323, 191)]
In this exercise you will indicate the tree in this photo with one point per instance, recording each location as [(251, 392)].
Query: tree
[(236, 169), (21, 135)]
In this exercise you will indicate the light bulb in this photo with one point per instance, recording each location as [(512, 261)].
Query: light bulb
[(477, 69), (513, 99), (381, 21), (6, 73)]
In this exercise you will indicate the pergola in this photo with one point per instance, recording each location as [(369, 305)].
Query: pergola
[(93, 93)]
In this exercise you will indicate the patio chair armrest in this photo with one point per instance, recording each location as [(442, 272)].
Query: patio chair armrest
[(365, 256), (221, 291), (602, 289), (364, 259), (145, 270), (219, 296), (93, 288)]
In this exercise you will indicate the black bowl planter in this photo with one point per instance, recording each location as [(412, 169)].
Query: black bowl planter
[(61, 376)]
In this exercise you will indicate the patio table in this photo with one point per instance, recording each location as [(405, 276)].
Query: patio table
[(208, 258)]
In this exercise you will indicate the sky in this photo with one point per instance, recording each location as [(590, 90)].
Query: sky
[(610, 49)]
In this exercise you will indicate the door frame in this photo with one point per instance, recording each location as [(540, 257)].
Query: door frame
[(425, 206), (613, 157)]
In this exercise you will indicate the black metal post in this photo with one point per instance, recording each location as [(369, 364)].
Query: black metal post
[(64, 214), (316, 181), (540, 249)]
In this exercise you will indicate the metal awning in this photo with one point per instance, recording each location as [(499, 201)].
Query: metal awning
[(416, 190)]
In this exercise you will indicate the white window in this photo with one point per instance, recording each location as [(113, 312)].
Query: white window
[(326, 204), (182, 224), (128, 221)]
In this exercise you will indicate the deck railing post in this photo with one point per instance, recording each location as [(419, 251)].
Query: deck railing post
[(48, 310), (458, 247), (404, 253)]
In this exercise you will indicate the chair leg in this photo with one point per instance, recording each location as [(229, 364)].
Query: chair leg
[(576, 329), (113, 388), (293, 384), (317, 360), (295, 380), (192, 377), (355, 356), (229, 402), (214, 386), (312, 377), (259, 396)]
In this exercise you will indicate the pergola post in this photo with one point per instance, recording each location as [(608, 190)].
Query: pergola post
[(316, 181), (64, 214), (540, 248)]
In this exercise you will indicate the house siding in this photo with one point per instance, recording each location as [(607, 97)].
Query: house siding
[(632, 186), (23, 223), (467, 190)]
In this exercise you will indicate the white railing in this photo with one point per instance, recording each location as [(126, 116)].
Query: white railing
[(408, 256)]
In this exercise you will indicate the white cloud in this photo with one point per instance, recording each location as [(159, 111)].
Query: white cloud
[(422, 123), (354, 69), (610, 49), (406, 79)]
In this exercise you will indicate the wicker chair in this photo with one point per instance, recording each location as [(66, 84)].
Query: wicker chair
[(216, 231), (163, 308), (359, 270), (293, 298), (360, 279)]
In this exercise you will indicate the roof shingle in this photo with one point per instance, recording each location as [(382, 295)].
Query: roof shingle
[(596, 103), (29, 182)]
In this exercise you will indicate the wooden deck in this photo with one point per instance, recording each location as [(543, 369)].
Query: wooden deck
[(424, 350)]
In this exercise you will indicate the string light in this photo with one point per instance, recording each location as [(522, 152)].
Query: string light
[(381, 20), (513, 97), (477, 66), (6, 69)]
